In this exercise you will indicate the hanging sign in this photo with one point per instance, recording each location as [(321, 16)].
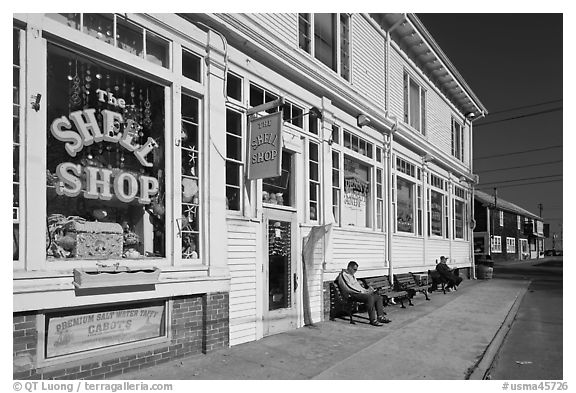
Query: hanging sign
[(265, 147)]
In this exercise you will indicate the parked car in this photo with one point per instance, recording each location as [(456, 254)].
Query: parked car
[(553, 253)]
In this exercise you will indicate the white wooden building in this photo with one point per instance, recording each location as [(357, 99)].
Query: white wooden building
[(157, 244)]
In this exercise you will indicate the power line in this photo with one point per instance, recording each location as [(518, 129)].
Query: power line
[(519, 185), (518, 117), (522, 179), (524, 107), (518, 152), (521, 166)]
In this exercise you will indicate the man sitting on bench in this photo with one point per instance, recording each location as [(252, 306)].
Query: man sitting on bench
[(351, 286), (448, 274)]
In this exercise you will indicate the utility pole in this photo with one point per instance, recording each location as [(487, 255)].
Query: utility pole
[(540, 208)]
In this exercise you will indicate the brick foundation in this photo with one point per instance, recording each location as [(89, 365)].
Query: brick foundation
[(199, 324)]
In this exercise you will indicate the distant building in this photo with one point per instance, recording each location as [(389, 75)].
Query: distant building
[(504, 230)]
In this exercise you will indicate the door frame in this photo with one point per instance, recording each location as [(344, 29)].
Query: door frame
[(285, 319)]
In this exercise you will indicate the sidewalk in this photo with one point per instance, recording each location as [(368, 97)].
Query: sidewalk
[(445, 338)]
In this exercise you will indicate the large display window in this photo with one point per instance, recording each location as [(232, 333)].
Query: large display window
[(356, 199), (405, 205), (105, 161), (436, 201)]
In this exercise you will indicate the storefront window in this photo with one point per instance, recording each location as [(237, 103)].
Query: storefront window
[(105, 161), (459, 219), (356, 201), (119, 31), (436, 212), (278, 190), (314, 184), (234, 165), (336, 185), (405, 205), (190, 154), (16, 108)]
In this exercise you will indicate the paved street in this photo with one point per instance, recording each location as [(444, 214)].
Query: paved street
[(533, 349)]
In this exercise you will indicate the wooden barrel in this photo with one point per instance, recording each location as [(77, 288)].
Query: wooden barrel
[(484, 272)]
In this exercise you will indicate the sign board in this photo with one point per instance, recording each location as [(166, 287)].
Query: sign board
[(265, 147), (81, 332)]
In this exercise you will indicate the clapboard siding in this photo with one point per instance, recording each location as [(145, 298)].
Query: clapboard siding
[(460, 253), (242, 264), (366, 248), (438, 117), (282, 27), (437, 248), (407, 251), (396, 81), (368, 65), (438, 111)]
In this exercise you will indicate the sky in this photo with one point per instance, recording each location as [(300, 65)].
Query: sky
[(513, 61)]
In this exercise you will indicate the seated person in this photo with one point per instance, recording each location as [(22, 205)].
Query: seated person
[(448, 274), (351, 286)]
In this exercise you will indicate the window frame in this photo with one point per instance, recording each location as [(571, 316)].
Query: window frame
[(457, 139), (403, 168), (314, 182), (239, 163), (510, 245), (19, 263), (496, 244), (409, 80), (34, 172), (437, 184), (341, 58)]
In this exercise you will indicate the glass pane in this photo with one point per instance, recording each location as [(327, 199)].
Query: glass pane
[(313, 211), (324, 39), (233, 122), (16, 46), (100, 26), (314, 152), (232, 198), (234, 87), (405, 205), (297, 114), (15, 242), (157, 49), (232, 173), (304, 31), (191, 66), (278, 190), (279, 265), (105, 161), (335, 134), (256, 96), (190, 109), (130, 37), (72, 20), (233, 147), (336, 205), (314, 171), (414, 105), (355, 206)]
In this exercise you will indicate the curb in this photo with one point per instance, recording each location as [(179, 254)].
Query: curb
[(480, 370)]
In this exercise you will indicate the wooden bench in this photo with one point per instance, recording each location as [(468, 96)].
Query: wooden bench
[(385, 289), (407, 282), (340, 303), (438, 279)]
